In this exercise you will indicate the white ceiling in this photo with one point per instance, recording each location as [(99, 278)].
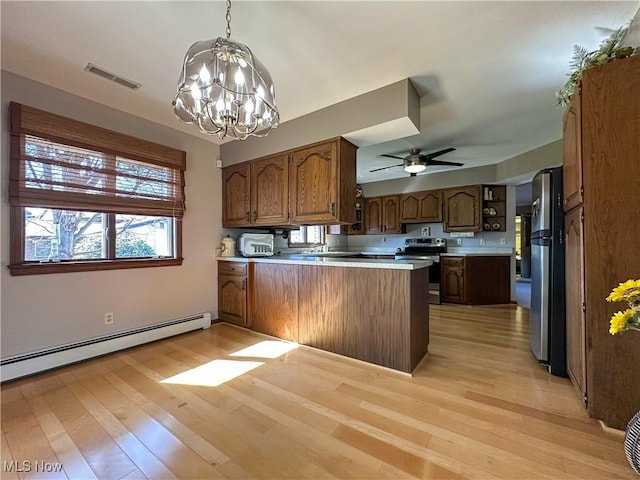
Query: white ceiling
[(486, 71)]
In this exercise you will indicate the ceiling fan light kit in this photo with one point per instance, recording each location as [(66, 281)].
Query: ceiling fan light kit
[(225, 90), (413, 164)]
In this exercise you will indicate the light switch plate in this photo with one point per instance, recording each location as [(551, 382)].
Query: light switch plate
[(458, 241), (503, 241), (483, 241), (426, 231)]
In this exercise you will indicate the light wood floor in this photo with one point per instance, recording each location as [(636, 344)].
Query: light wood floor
[(478, 407)]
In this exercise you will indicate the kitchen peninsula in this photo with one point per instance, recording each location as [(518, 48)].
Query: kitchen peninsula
[(373, 310)]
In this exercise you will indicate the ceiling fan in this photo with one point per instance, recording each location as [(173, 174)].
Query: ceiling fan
[(416, 162)]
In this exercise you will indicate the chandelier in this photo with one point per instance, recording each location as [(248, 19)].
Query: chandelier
[(225, 90)]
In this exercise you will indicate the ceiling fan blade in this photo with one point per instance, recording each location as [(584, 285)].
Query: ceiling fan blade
[(384, 168), (442, 162), (439, 152), (392, 156)]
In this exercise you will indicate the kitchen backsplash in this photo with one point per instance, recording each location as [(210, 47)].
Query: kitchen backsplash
[(389, 243)]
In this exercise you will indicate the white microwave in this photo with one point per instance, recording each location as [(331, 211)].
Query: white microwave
[(255, 244)]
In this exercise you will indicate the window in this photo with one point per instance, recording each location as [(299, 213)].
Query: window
[(307, 236), (86, 198)]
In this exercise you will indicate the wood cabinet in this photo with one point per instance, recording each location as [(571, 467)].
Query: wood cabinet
[(236, 195), (476, 279), (270, 190), (256, 192), (323, 183), (452, 279), (461, 209), (601, 145), (382, 215), (314, 185), (373, 215), (572, 189), (574, 299), (494, 208), (274, 294), (232, 292), (421, 207), (376, 315)]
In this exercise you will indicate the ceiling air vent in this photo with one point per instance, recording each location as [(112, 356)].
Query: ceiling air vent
[(112, 76)]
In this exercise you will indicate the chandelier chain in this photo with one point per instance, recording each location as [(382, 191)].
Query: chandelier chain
[(228, 18)]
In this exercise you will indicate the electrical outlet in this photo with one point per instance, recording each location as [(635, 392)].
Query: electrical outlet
[(219, 163), (483, 241), (503, 241), (458, 241), (425, 232), (108, 318)]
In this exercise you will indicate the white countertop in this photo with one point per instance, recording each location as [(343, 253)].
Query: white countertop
[(336, 262), (476, 254)]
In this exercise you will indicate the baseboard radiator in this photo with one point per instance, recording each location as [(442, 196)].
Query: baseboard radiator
[(35, 362)]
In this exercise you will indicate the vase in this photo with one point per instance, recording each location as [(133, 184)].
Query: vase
[(632, 442)]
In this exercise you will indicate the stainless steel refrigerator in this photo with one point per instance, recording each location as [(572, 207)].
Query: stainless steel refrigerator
[(548, 326)]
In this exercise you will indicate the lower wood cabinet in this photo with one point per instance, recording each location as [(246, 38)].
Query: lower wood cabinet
[(452, 279), (232, 292), (380, 316), (274, 300), (476, 280)]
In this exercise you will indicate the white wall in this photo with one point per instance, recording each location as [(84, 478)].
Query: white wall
[(40, 311)]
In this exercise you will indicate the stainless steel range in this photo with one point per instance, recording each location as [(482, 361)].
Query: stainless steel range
[(426, 249)]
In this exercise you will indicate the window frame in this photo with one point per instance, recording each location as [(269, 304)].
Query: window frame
[(306, 243), (72, 133)]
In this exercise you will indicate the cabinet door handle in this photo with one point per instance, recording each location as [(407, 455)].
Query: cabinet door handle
[(333, 209), (247, 216), (244, 286), (255, 215)]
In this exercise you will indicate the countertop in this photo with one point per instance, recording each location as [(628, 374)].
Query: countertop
[(474, 254), (335, 261)]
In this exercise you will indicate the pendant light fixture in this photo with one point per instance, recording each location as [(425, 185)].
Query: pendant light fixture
[(225, 90)]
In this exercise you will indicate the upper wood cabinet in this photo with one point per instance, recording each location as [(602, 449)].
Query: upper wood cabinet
[(323, 183), (382, 215), (256, 193), (236, 195), (314, 185), (391, 214), (572, 152), (461, 209), (373, 215), (270, 190), (421, 207)]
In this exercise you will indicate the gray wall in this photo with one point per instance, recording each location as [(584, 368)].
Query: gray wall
[(41, 311)]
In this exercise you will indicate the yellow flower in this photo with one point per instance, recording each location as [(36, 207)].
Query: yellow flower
[(619, 321), (625, 291)]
